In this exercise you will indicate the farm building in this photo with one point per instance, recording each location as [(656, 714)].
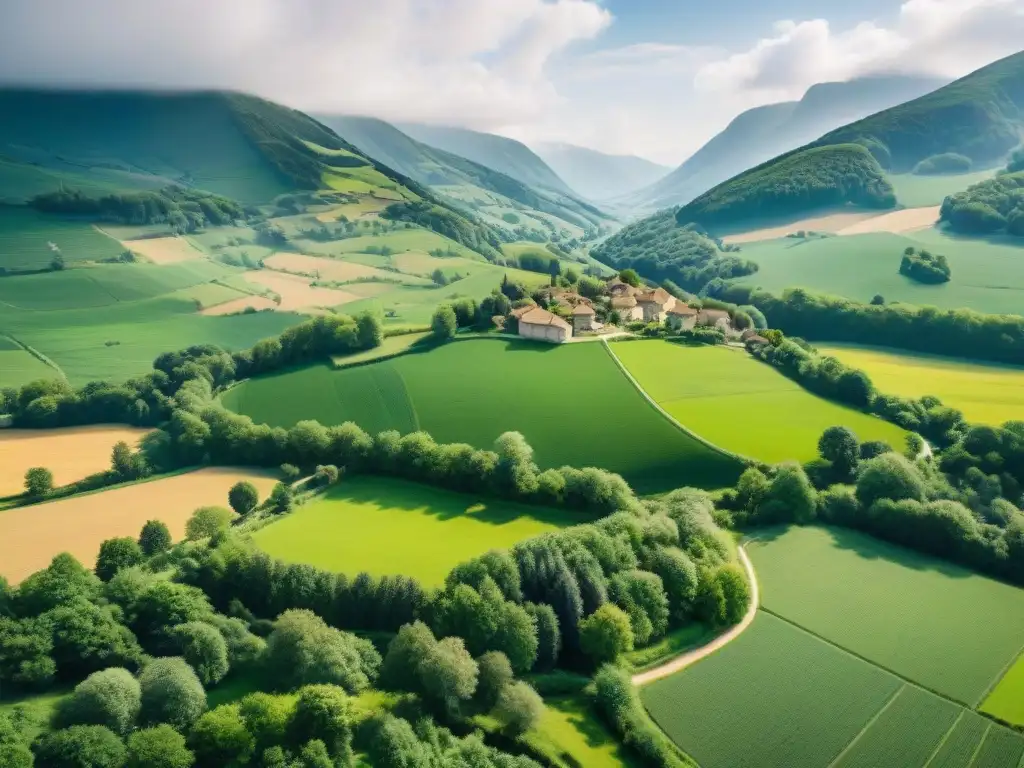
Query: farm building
[(583, 318), (616, 288), (539, 324), (627, 308), (714, 318), (654, 304), (681, 317)]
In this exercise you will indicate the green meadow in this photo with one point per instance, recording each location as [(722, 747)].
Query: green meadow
[(741, 404), (987, 393), (27, 237), (988, 275), (388, 526), (571, 402), (913, 191), (1006, 701), (958, 631)]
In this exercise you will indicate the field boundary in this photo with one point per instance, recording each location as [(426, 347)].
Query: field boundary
[(874, 719), (680, 663), (37, 355), (671, 419)]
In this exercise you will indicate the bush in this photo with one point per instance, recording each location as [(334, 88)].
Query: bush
[(158, 747), (206, 522), (220, 737), (154, 538), (444, 324), (204, 648), (171, 693), (111, 698), (302, 649), (323, 712), (38, 482), (243, 497), (889, 476), (80, 746), (519, 708), (495, 674), (925, 267), (606, 634), (115, 554)]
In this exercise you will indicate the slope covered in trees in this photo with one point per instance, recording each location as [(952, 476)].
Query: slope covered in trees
[(801, 181), (992, 206)]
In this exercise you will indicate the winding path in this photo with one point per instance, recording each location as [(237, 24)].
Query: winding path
[(691, 657)]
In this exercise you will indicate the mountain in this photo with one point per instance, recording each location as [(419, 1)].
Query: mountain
[(596, 175), (762, 133), (439, 169), (508, 156)]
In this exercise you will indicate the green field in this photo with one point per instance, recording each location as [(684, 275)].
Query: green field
[(987, 393), (914, 191), (741, 404), (25, 237), (571, 402), (956, 631), (569, 729), (1006, 701), (774, 696), (392, 345), (387, 526), (988, 276), (19, 367)]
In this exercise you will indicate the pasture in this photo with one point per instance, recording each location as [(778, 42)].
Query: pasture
[(1006, 701), (572, 403), (913, 191), (31, 536), (385, 527), (71, 453), (297, 292), (988, 275), (987, 393), (26, 237), (957, 630), (741, 404), (20, 366), (393, 345)]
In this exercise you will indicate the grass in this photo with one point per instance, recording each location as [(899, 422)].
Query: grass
[(914, 191), (20, 367), (741, 404), (931, 622), (774, 696), (675, 643), (1006, 701), (987, 393), (570, 733), (31, 714), (393, 345), (988, 275), (25, 237), (1001, 749), (386, 526), (572, 403)]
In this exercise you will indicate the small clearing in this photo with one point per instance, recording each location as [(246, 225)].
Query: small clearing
[(236, 306), (907, 220), (296, 292), (830, 223), (164, 250), (31, 536), (325, 268), (71, 453)]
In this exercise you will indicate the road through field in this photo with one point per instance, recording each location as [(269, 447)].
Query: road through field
[(691, 657)]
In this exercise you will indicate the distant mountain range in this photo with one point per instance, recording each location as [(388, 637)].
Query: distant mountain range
[(761, 133), (599, 176)]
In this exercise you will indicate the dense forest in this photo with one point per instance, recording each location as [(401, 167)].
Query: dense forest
[(992, 206), (801, 181), (182, 209), (660, 248)]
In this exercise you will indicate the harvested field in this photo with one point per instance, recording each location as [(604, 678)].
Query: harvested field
[(31, 536), (832, 223), (327, 269), (957, 630), (907, 220), (71, 453), (380, 525), (164, 250), (296, 292), (240, 305)]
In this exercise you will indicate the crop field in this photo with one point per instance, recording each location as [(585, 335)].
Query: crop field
[(71, 453), (957, 630), (19, 366), (913, 191), (297, 292), (988, 275), (572, 403), (385, 526), (415, 239), (31, 536), (1006, 701), (1001, 749), (774, 696), (332, 269), (742, 404), (164, 250), (25, 237), (962, 742), (987, 393)]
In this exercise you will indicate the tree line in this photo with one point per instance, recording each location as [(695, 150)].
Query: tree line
[(995, 205)]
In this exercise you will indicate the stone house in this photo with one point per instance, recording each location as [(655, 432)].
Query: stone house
[(616, 288), (714, 318), (654, 304), (681, 317), (627, 308), (583, 316), (541, 325)]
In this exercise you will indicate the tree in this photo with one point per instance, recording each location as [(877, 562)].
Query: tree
[(840, 446), (281, 499), (171, 693), (87, 638), (405, 652), (877, 300), (208, 521), (302, 649), (38, 482), (126, 464), (889, 476), (549, 639), (15, 755), (630, 277), (606, 634), (111, 698), (204, 648), (115, 554), (314, 754), (158, 747), (80, 746), (154, 538), (220, 737), (370, 330), (519, 708), (791, 497), (444, 324), (642, 596), (267, 717), (448, 674), (243, 497), (323, 712), (61, 581), (166, 604), (495, 674), (736, 591)]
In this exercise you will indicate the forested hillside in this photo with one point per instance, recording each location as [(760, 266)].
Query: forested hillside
[(992, 206), (813, 178), (763, 132)]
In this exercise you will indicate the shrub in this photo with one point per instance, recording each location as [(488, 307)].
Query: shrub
[(323, 712), (204, 648), (115, 554), (220, 737), (154, 538), (38, 482), (519, 708), (208, 521), (444, 323), (606, 634), (158, 747), (495, 674), (243, 497), (171, 693), (889, 476), (111, 698), (925, 267), (80, 746), (302, 649)]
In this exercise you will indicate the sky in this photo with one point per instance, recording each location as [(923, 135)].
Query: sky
[(655, 78)]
